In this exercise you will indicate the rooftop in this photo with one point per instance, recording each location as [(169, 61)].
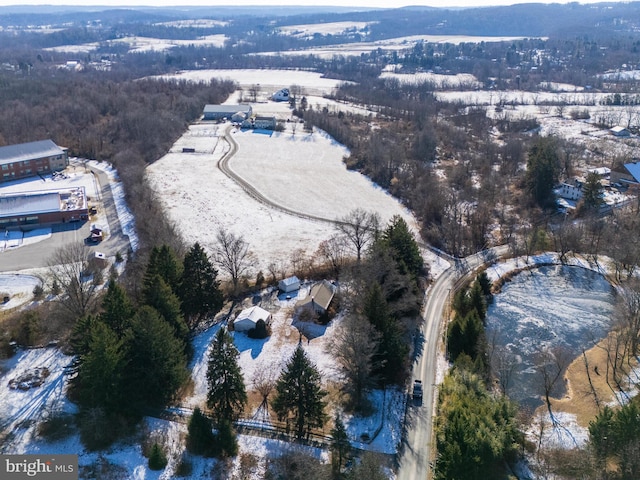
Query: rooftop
[(226, 108), (42, 202), (634, 170), (29, 151)]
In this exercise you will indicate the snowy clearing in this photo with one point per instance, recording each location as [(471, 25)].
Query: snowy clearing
[(139, 44), (333, 28), (268, 80), (398, 43), (303, 171)]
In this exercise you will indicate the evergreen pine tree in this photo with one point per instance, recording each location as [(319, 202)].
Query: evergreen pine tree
[(157, 458), (299, 396), (200, 437), (200, 289), (157, 366), (226, 395), (163, 261), (340, 446), (117, 309), (485, 284), (227, 439), (543, 168), (99, 379), (592, 192), (391, 354), (477, 300), (404, 246), (158, 294)]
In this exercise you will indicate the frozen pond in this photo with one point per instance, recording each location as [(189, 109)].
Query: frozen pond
[(546, 308)]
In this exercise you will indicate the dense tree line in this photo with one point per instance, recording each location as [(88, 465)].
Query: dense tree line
[(132, 357), (109, 117)]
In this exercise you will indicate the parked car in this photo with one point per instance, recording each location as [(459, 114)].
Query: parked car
[(417, 390)]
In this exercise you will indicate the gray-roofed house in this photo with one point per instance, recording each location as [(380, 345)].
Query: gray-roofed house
[(218, 112), (319, 298), (30, 159)]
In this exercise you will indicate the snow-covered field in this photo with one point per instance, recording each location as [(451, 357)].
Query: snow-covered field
[(302, 171), (139, 44), (332, 28), (268, 80), (398, 43)]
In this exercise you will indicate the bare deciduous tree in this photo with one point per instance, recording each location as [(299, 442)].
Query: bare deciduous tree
[(551, 365), (69, 269), (353, 349), (360, 228), (232, 255), (334, 251)]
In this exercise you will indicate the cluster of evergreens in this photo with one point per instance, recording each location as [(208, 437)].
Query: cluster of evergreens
[(476, 430), (465, 333), (388, 298), (131, 358), (614, 439)]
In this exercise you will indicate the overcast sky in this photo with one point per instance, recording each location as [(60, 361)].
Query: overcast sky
[(355, 3)]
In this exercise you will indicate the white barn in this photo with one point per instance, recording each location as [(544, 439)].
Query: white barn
[(249, 317)]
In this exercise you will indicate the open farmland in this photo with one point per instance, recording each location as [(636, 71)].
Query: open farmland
[(302, 171)]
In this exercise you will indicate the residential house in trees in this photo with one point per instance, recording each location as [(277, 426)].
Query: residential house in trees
[(319, 299)]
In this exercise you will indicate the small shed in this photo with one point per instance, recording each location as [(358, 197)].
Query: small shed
[(619, 131), (99, 260), (249, 317), (290, 284)]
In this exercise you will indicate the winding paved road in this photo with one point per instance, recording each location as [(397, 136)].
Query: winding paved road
[(224, 167), (418, 451)]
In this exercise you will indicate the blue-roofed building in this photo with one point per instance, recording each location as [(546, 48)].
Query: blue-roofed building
[(30, 159), (290, 284), (628, 175)]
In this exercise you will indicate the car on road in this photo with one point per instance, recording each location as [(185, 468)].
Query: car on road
[(417, 390)]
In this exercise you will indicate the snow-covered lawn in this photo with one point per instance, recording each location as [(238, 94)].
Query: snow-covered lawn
[(383, 427), (21, 410)]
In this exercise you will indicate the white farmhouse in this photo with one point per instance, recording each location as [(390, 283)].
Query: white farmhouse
[(281, 95), (249, 317)]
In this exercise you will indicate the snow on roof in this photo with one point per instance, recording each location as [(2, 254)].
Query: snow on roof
[(602, 171), (634, 170), (42, 202), (29, 204), (321, 294), (290, 280), (254, 314), (230, 109), (29, 151)]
